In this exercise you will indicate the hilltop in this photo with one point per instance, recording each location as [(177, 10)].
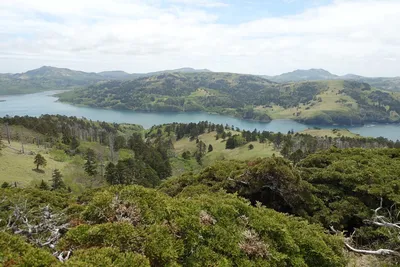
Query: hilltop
[(48, 78), (51, 78), (303, 75), (384, 83)]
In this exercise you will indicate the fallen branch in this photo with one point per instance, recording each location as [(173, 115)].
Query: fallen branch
[(377, 220), (381, 252)]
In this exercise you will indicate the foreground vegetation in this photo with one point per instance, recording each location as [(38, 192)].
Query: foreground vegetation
[(273, 199)]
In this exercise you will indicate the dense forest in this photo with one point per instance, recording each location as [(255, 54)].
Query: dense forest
[(317, 201), (245, 96)]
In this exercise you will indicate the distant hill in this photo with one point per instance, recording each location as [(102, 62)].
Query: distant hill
[(384, 83), (51, 78), (44, 79), (116, 74), (303, 75), (245, 96)]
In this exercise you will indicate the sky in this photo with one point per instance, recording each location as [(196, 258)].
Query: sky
[(266, 37)]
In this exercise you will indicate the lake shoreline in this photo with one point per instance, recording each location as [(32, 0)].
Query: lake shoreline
[(302, 121), (46, 103)]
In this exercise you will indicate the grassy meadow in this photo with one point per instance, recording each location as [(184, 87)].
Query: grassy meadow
[(330, 100), (17, 167), (219, 152), (331, 133)]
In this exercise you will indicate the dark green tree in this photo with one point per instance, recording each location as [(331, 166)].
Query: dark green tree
[(74, 143), (200, 152), (5, 185), (186, 155), (119, 142), (230, 143), (296, 156), (111, 174), (210, 148), (43, 185), (56, 181), (90, 165), (40, 161)]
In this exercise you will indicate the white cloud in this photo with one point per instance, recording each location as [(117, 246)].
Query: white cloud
[(201, 3), (358, 36)]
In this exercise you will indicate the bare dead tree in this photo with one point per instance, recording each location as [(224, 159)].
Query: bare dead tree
[(8, 133), (380, 221), (22, 143), (40, 226)]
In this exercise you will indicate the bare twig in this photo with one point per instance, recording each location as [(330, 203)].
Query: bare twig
[(383, 252)]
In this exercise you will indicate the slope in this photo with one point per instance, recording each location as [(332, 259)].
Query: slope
[(245, 96)]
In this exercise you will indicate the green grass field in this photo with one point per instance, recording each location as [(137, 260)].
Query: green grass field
[(331, 133), (219, 152), (331, 100), (19, 168)]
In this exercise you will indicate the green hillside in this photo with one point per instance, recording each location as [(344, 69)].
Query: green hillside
[(45, 79), (303, 75), (384, 83), (245, 96), (49, 78), (192, 195)]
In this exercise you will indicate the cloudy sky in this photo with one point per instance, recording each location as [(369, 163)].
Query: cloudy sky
[(245, 36)]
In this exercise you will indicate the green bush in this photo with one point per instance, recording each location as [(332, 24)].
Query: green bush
[(59, 155), (205, 228), (14, 251), (106, 257)]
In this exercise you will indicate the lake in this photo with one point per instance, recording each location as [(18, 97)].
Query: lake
[(44, 103)]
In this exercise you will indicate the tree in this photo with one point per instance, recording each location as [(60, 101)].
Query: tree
[(186, 155), (40, 161), (43, 185), (111, 174), (56, 181), (296, 156), (201, 150), (210, 148), (5, 185), (90, 165), (230, 143), (251, 146), (74, 143), (119, 142)]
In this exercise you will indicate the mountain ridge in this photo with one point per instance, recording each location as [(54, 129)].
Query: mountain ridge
[(48, 78)]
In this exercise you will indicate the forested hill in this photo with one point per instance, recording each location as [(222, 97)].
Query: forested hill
[(384, 83), (51, 78), (245, 96), (44, 79)]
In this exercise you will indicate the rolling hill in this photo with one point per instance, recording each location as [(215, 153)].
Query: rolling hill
[(48, 78), (303, 75), (44, 79), (384, 83), (245, 96)]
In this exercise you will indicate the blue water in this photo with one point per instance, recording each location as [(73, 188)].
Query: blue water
[(44, 103)]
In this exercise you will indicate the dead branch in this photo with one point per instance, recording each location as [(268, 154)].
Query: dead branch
[(40, 226), (382, 252), (380, 221)]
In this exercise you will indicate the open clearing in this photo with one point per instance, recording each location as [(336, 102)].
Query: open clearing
[(219, 152), (18, 167)]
